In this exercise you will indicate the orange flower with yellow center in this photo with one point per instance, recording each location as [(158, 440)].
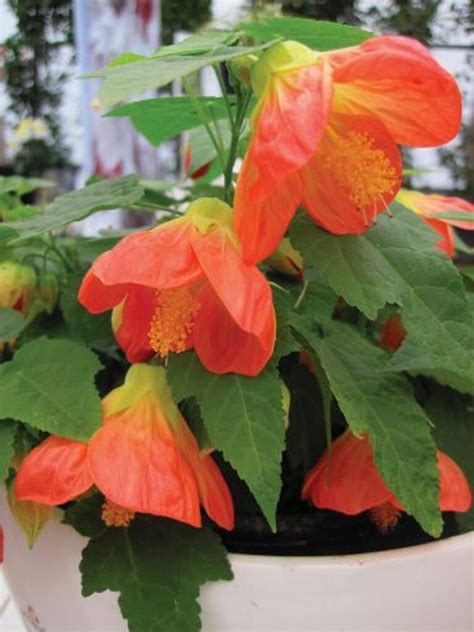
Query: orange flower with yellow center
[(184, 284), (346, 480), (143, 459), (325, 132), (435, 210)]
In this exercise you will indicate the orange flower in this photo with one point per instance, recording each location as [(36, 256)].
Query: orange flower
[(348, 481), (393, 333), (17, 284), (143, 459), (432, 207), (184, 285), (325, 134)]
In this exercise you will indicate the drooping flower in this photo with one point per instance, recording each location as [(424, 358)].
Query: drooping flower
[(432, 208), (393, 332), (17, 285), (143, 459), (184, 284), (346, 480), (325, 133)]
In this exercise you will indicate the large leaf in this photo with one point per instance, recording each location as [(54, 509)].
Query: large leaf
[(159, 119), (198, 44), (157, 566), (123, 81), (384, 406), (71, 207), (49, 384), (396, 261), (7, 439), (316, 34), (21, 186), (12, 324), (243, 417)]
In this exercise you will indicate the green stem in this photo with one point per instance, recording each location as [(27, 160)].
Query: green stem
[(242, 105), (53, 248), (223, 87), (202, 116)]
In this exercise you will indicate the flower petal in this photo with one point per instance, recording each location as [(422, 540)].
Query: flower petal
[(213, 491), (134, 326), (222, 346), (346, 481), (397, 79), (446, 242), (161, 258), (353, 176), (455, 494), (54, 472), (288, 125), (136, 463), (97, 297)]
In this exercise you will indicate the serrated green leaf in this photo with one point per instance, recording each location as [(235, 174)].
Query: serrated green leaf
[(316, 34), (198, 44), (12, 324), (71, 207), (123, 81), (94, 330), (7, 440), (157, 566), (50, 385), (160, 119), (396, 262), (384, 406), (243, 417)]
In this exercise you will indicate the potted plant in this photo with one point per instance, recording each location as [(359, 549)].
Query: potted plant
[(280, 369)]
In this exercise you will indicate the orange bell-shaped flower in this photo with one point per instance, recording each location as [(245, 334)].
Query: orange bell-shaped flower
[(325, 132), (184, 284), (348, 481), (432, 207), (143, 459), (393, 332)]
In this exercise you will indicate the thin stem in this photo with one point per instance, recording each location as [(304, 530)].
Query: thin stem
[(225, 95), (202, 115), (300, 298), (242, 105), (53, 248)]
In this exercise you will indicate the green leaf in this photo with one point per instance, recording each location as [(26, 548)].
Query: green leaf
[(94, 330), (85, 515), (384, 406), (126, 80), (316, 34), (7, 448), (18, 213), (199, 44), (21, 186), (49, 384), (157, 566), (160, 119), (71, 207), (12, 324), (452, 415), (396, 262), (243, 417)]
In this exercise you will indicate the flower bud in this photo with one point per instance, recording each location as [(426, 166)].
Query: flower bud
[(286, 260), (242, 66), (47, 291), (17, 284)]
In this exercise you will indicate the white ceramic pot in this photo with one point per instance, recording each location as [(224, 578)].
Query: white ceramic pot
[(427, 587)]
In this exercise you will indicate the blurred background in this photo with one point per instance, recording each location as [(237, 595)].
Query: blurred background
[(51, 124)]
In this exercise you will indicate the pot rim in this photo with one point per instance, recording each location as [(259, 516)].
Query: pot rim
[(450, 544)]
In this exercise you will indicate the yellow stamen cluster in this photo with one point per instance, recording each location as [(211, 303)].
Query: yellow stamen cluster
[(385, 516), (116, 516), (172, 321), (363, 169)]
